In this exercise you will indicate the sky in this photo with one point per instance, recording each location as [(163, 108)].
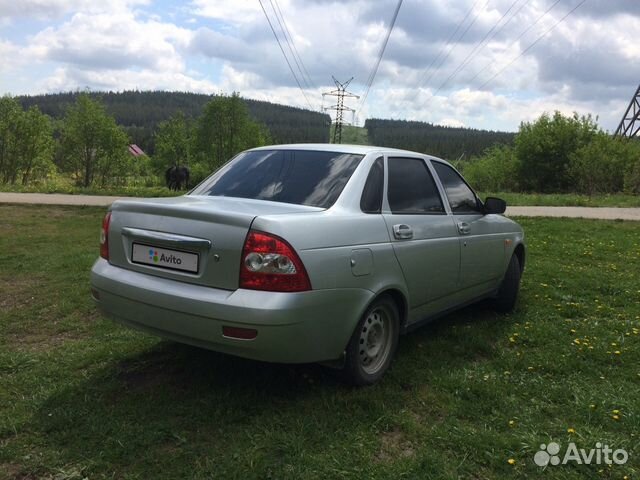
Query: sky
[(476, 63)]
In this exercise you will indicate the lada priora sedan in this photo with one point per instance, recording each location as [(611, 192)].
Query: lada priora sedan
[(308, 253)]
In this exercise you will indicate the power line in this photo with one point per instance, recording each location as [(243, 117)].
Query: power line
[(533, 44), (517, 39), (479, 45), (290, 43), (285, 55), (423, 81), (374, 71)]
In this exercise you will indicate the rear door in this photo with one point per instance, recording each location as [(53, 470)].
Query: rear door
[(424, 237), (482, 248)]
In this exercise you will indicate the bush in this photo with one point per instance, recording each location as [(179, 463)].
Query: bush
[(599, 166), (632, 170), (545, 146), (496, 171)]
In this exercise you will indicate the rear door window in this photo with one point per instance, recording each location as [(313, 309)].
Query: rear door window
[(411, 188), (371, 201), (303, 177)]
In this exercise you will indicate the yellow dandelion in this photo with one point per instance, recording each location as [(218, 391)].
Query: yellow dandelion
[(615, 417), (511, 461), (512, 423), (616, 412), (570, 430)]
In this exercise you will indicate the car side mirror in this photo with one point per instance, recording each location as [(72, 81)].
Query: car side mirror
[(494, 205)]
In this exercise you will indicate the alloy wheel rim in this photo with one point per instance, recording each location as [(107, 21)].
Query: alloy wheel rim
[(375, 341)]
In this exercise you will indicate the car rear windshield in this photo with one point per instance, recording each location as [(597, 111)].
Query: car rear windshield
[(302, 177)]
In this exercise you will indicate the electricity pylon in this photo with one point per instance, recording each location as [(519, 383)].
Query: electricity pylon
[(630, 124), (339, 107)]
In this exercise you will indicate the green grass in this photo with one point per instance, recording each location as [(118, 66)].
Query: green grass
[(567, 199), (64, 187), (81, 397)]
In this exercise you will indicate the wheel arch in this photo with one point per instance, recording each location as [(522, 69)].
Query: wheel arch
[(520, 253), (400, 300)]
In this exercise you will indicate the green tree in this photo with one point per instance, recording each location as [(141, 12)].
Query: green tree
[(544, 148), (9, 113), (495, 171), (173, 143), (224, 129), (26, 143), (93, 145), (34, 147)]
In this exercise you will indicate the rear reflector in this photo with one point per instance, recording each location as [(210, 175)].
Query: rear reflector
[(241, 333), (104, 236)]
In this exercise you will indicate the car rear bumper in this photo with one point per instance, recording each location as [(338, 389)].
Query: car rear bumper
[(292, 327)]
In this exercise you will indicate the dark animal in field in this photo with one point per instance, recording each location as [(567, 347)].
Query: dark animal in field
[(177, 178)]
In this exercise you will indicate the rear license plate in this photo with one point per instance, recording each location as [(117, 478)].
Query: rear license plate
[(165, 258)]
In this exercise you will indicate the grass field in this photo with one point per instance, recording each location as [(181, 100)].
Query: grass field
[(66, 188), (567, 199), (471, 396)]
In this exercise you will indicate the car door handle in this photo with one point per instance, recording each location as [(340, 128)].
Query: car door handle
[(402, 231), (464, 228)]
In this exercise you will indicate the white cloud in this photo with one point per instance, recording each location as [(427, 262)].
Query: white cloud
[(48, 9), (98, 41), (236, 12), (68, 78)]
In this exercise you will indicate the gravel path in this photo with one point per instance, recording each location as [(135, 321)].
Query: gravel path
[(603, 213)]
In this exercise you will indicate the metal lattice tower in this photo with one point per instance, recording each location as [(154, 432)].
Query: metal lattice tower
[(340, 92), (630, 124)]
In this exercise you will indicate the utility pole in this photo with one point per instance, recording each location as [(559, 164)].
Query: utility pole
[(630, 124), (340, 92)]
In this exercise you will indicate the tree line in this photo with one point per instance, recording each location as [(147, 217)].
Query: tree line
[(140, 113), (558, 154), (449, 143)]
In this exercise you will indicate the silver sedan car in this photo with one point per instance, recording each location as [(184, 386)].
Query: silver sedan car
[(308, 253)]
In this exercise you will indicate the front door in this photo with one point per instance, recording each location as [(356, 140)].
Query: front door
[(481, 247)]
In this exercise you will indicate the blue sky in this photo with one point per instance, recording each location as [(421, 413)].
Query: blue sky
[(455, 63)]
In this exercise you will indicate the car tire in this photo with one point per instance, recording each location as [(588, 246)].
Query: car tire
[(505, 300), (373, 343)]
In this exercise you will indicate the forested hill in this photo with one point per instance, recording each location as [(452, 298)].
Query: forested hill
[(140, 113), (445, 142)]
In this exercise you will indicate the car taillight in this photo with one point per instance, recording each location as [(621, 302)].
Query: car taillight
[(104, 236), (270, 263)]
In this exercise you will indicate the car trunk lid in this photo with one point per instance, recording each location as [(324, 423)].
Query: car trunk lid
[(193, 239)]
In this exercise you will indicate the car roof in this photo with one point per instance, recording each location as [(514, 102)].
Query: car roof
[(342, 148)]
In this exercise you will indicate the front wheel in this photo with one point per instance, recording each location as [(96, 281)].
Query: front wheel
[(373, 343)]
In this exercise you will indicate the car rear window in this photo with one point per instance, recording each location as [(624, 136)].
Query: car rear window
[(303, 177)]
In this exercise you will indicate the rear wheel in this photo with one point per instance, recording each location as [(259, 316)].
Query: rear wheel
[(373, 343), (505, 301)]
